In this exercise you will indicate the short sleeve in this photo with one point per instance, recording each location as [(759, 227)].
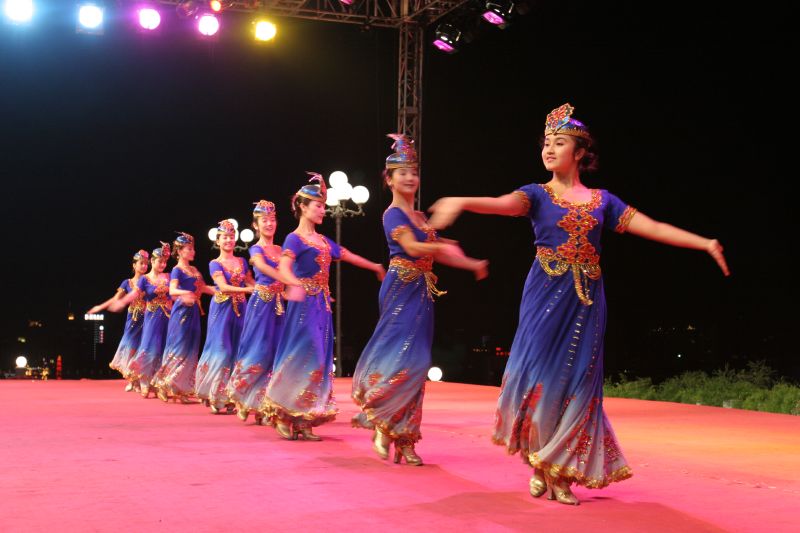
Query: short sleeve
[(292, 246), (245, 266), (336, 250), (125, 286), (142, 284), (214, 267), (395, 222), (617, 213), (529, 199), (256, 250), (175, 274)]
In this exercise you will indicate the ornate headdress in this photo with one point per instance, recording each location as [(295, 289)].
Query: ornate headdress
[(164, 251), (183, 239), (263, 207), (312, 191), (226, 226), (405, 155), (560, 122), (141, 254)]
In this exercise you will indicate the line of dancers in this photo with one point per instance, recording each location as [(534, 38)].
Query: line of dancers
[(269, 343)]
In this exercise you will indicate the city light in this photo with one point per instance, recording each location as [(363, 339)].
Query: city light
[(93, 317)]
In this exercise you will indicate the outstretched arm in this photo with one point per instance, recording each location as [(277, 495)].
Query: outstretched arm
[(646, 227), (105, 305), (118, 304), (354, 259), (446, 210)]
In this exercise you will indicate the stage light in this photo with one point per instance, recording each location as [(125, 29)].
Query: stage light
[(498, 12), (90, 18), (19, 11), (215, 5), (448, 38), (344, 190), (435, 373), (265, 30), (149, 18), (360, 194), (337, 178), (247, 236), (332, 199), (21, 361), (208, 25), (347, 2)]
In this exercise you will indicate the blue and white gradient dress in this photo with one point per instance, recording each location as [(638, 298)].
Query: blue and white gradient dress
[(133, 330)]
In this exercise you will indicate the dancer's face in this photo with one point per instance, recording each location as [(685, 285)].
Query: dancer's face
[(314, 211), (140, 267), (559, 154), (404, 180), (266, 226), (226, 241), (186, 253), (159, 264)]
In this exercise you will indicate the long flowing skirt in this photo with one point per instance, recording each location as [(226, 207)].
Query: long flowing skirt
[(301, 388), (178, 366), (147, 359), (551, 402), (129, 343), (260, 336), (389, 381), (219, 352)]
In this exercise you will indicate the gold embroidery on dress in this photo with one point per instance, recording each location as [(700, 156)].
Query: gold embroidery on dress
[(625, 219), (526, 203)]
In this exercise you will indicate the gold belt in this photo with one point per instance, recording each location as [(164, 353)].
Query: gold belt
[(318, 284), (409, 271), (268, 292), (165, 304), (555, 264), (236, 299)]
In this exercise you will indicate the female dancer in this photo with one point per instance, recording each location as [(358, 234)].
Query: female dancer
[(299, 395), (133, 325), (225, 317), (263, 321), (551, 401), (389, 381), (154, 288), (175, 378)]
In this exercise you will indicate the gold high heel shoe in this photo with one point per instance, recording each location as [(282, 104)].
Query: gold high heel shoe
[(145, 391), (537, 485), (307, 434), (242, 412), (129, 387), (559, 490), (406, 451), (285, 430), (162, 395), (214, 409), (381, 443)]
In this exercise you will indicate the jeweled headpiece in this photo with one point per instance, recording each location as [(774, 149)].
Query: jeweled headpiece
[(560, 122), (405, 155), (183, 239), (263, 207), (164, 251), (226, 226), (312, 191), (141, 254)]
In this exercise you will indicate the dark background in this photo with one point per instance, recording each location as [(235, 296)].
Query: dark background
[(110, 143)]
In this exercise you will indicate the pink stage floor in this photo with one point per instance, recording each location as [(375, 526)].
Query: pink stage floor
[(85, 456)]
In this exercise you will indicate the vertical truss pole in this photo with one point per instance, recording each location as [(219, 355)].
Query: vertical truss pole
[(409, 81)]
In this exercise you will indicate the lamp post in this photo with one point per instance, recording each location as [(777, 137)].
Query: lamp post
[(246, 236), (339, 193)]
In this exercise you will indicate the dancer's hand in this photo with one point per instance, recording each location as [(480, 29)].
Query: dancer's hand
[(188, 299), (715, 249), (380, 272), (444, 211), (481, 270), (94, 310), (294, 293)]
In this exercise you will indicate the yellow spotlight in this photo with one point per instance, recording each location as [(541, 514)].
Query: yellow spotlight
[(265, 30)]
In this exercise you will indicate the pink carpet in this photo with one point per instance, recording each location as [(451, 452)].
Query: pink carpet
[(86, 456)]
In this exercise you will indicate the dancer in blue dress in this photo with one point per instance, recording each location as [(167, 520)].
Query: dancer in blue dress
[(263, 320), (551, 401), (389, 380), (133, 322), (154, 288), (233, 282), (175, 378), (299, 395)]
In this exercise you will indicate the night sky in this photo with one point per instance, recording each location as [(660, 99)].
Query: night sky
[(111, 143)]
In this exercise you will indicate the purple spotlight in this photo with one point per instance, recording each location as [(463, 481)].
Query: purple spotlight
[(149, 18), (443, 46), (208, 25), (347, 2), (494, 18), (448, 38)]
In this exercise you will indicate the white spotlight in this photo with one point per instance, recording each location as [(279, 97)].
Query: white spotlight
[(435, 373), (90, 17), (19, 11), (21, 361)]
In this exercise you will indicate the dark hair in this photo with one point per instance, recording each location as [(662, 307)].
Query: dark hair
[(386, 174), (589, 161), (177, 247), (296, 203)]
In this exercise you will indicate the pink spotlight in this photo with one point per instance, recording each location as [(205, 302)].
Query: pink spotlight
[(494, 18), (443, 46), (149, 18), (208, 25)]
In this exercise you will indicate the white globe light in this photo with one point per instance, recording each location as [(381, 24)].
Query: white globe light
[(333, 197), (212, 234), (90, 16), (234, 222), (247, 235), (21, 361), (345, 191), (360, 194), (435, 373), (337, 178), (235, 235), (19, 10)]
